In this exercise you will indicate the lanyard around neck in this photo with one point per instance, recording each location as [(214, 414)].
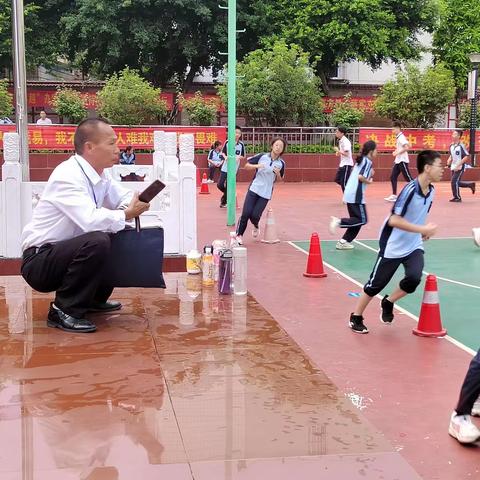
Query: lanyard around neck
[(89, 182)]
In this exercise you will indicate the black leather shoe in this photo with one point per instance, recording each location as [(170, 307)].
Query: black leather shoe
[(59, 319), (104, 307)]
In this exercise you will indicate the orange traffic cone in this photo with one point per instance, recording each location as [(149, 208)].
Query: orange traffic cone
[(315, 261), (204, 188), (429, 322), (270, 233)]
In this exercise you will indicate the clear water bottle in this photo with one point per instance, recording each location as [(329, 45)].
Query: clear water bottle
[(208, 267), (225, 270), (239, 270)]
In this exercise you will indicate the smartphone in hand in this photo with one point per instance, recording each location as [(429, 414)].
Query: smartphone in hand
[(151, 191)]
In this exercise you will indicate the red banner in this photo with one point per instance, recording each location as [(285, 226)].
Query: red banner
[(43, 98), (418, 139), (60, 137), (363, 103)]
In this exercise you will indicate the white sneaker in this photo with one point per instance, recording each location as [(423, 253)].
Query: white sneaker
[(476, 408), (334, 223), (255, 232), (210, 181), (476, 236), (344, 245), (239, 239), (391, 198), (462, 428)]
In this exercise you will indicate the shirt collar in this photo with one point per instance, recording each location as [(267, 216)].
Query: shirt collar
[(419, 189), (89, 171)]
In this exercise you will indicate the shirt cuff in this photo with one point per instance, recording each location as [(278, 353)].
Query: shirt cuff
[(119, 220)]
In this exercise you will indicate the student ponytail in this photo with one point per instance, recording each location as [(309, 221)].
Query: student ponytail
[(368, 146)]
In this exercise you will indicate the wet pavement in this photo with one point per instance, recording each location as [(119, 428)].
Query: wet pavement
[(180, 384)]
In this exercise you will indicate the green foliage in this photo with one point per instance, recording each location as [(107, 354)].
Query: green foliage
[(416, 98), (42, 32), (368, 30), (128, 99), (200, 111), (69, 103), (6, 100), (277, 85), (344, 114), (457, 35), (464, 116)]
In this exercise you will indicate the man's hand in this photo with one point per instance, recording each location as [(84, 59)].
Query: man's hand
[(136, 207), (429, 230)]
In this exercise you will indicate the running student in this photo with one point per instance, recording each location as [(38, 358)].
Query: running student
[(457, 161), (344, 151), (239, 156), (401, 241), (461, 426), (269, 167), (215, 159), (400, 165), (354, 197)]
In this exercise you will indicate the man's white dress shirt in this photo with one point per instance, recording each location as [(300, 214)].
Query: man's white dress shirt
[(76, 200)]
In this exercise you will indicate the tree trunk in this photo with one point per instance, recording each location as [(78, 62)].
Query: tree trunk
[(324, 80), (186, 85)]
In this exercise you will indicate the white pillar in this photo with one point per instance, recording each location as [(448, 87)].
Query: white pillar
[(11, 196), (171, 159), (159, 154), (188, 194)]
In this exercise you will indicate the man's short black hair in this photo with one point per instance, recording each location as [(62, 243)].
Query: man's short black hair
[(460, 132), (86, 131), (342, 130), (397, 124), (426, 157), (238, 127)]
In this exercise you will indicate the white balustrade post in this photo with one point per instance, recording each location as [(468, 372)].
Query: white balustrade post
[(188, 194), (11, 196), (171, 159), (159, 154)]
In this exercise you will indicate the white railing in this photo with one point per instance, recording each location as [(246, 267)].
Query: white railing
[(175, 208)]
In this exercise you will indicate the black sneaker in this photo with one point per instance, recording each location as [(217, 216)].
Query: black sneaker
[(455, 200), (474, 188), (356, 324), (387, 311)]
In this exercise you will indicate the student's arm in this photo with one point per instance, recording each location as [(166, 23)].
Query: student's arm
[(465, 157), (252, 163), (397, 221), (210, 158), (363, 179), (242, 155), (404, 148), (279, 172), (366, 174)]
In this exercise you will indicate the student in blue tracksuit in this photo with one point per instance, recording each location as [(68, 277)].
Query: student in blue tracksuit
[(215, 159), (457, 161), (239, 157), (269, 167), (354, 197), (401, 241)]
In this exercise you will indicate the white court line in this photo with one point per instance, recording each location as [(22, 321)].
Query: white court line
[(400, 309), (424, 271)]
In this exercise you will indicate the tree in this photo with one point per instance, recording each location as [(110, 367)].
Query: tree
[(464, 116), (277, 85), (200, 111), (128, 99), (456, 36), (42, 32), (6, 100), (344, 114), (367, 30), (69, 103), (417, 98)]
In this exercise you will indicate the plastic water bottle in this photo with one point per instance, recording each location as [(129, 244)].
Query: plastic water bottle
[(208, 278), (225, 272), (218, 246), (240, 270), (194, 259)]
